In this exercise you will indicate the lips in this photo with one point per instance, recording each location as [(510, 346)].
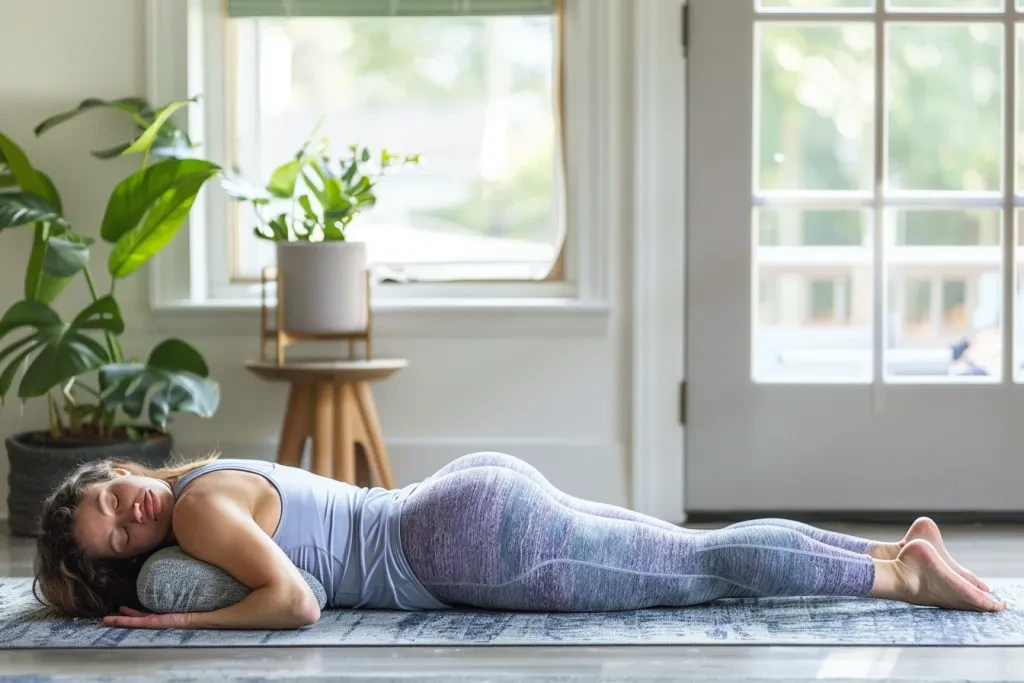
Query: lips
[(154, 506), (149, 506)]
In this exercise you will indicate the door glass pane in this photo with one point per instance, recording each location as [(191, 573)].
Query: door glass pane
[(815, 107), (944, 293), (813, 292), (814, 5), (1019, 301), (1020, 98), (945, 106), (946, 5)]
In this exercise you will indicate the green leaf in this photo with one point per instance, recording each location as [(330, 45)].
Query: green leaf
[(349, 174), (283, 179), (51, 194), (26, 176), (258, 232), (335, 195), (102, 314), (7, 377), (39, 284), (316, 189), (143, 191), (34, 268), (62, 350), (332, 233), (57, 363), (130, 105), (139, 244), (307, 208), (21, 208), (279, 227), (16, 345), (362, 186), (28, 314), (145, 141), (132, 387), (178, 355), (111, 152), (66, 255), (7, 180), (172, 143)]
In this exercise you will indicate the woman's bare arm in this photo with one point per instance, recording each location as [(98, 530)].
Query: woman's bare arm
[(215, 528)]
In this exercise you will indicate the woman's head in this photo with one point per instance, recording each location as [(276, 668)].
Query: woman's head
[(97, 529)]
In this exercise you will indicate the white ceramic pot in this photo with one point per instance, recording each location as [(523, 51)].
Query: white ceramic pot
[(324, 286)]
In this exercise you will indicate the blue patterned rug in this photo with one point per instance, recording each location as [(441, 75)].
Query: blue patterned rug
[(793, 621)]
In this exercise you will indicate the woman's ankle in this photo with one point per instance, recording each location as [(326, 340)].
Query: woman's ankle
[(885, 551), (890, 582)]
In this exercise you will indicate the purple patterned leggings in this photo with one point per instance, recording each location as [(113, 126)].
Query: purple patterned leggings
[(489, 531)]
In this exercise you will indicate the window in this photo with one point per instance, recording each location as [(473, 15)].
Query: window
[(885, 137), (471, 85), (954, 304)]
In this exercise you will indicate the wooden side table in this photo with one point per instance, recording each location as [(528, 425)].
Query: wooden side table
[(332, 403)]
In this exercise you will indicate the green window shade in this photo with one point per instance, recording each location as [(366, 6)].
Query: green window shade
[(388, 8)]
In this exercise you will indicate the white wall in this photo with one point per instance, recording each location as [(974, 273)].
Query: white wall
[(560, 403)]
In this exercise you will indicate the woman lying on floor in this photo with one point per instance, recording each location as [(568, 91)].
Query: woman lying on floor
[(487, 531)]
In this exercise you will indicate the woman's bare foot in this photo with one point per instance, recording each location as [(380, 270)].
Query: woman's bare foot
[(920, 576), (926, 529)]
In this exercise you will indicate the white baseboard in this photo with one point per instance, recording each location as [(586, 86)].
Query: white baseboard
[(596, 471)]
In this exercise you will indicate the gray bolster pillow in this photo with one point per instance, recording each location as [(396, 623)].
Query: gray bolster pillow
[(172, 581)]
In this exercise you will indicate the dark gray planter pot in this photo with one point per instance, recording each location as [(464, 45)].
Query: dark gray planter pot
[(38, 467)]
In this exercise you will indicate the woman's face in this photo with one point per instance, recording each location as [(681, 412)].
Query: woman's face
[(125, 516)]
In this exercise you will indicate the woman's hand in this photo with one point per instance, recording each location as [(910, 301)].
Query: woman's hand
[(132, 618)]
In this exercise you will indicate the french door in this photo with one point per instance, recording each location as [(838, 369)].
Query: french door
[(854, 195)]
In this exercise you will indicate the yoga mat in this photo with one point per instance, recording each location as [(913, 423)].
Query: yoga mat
[(777, 621)]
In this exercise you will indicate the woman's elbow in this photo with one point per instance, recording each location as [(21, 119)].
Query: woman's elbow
[(304, 610), (308, 615)]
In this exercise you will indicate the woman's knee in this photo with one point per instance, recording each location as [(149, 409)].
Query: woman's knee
[(755, 537)]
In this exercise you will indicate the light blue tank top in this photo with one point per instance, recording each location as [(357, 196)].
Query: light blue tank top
[(346, 536)]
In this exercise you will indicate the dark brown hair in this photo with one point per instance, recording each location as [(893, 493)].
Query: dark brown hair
[(66, 577)]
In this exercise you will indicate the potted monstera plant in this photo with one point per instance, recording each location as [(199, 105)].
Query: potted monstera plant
[(102, 401), (306, 209)]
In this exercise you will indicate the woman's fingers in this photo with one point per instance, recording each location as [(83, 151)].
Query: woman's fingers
[(131, 618)]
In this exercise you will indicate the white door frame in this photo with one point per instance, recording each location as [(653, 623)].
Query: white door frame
[(875, 443), (659, 124)]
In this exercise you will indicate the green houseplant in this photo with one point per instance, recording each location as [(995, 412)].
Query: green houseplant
[(306, 209), (96, 394)]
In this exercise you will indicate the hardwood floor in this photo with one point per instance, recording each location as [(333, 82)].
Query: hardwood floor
[(992, 551)]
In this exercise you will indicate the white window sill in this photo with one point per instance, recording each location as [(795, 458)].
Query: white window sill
[(406, 317)]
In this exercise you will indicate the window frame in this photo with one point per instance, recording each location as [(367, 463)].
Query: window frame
[(594, 126), (231, 283), (883, 199)]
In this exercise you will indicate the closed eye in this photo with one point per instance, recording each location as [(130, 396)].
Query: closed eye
[(124, 547)]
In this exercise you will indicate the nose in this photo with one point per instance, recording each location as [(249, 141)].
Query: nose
[(132, 514)]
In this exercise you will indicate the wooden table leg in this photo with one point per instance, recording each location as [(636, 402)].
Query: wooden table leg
[(296, 427), (344, 434), (378, 454), (323, 428), (363, 478)]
